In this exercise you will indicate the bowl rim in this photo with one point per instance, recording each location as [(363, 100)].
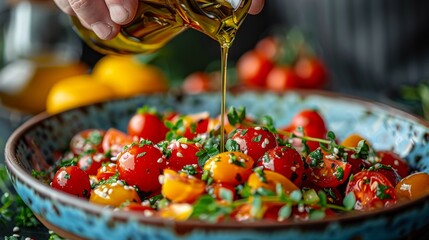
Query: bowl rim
[(347, 219)]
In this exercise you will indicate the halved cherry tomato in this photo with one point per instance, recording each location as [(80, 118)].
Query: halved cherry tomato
[(90, 163), (114, 194), (72, 180), (372, 190), (140, 165), (268, 180), (284, 160), (87, 140), (230, 167), (253, 68), (114, 141), (282, 78), (312, 73), (413, 186), (181, 188), (326, 170), (147, 125), (106, 171), (254, 141)]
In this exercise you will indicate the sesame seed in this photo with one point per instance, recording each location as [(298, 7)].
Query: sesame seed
[(177, 144), (120, 183), (197, 144), (293, 168), (114, 184), (241, 160), (16, 235), (145, 203), (160, 160), (257, 128), (396, 162), (374, 185), (105, 190), (147, 213), (27, 238), (184, 146), (103, 169), (15, 229), (104, 195), (112, 165), (110, 191), (179, 154), (336, 151), (114, 158), (161, 179)]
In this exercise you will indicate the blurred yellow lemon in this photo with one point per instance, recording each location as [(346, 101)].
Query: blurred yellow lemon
[(24, 85), (75, 92), (128, 77)]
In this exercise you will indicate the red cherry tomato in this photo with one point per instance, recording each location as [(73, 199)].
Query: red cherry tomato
[(286, 161), (269, 46), (197, 82), (254, 141), (282, 78), (91, 163), (148, 126), (140, 165), (182, 154), (115, 141), (198, 127), (72, 180), (87, 140), (106, 171), (393, 160), (325, 170), (372, 190), (253, 68), (312, 73), (312, 125)]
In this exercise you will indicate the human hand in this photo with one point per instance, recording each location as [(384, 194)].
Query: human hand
[(105, 17)]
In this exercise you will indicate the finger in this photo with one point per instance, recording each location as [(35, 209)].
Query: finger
[(122, 11), (65, 6), (96, 15), (256, 6)]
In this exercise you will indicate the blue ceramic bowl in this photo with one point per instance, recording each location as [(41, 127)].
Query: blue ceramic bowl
[(33, 144)]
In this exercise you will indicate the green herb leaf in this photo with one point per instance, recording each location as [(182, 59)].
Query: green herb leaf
[(349, 201), (284, 212)]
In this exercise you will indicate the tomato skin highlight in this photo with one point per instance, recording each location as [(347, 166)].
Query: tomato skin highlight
[(286, 161), (141, 166), (372, 190), (72, 180), (91, 163)]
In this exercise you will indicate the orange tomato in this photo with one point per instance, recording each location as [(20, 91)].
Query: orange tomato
[(181, 188), (127, 77), (269, 181), (353, 140), (75, 92), (113, 194), (230, 167), (413, 186)]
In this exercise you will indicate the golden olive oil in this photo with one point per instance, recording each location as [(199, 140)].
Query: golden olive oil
[(158, 21)]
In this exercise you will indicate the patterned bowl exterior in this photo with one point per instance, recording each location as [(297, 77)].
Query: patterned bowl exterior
[(33, 144)]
